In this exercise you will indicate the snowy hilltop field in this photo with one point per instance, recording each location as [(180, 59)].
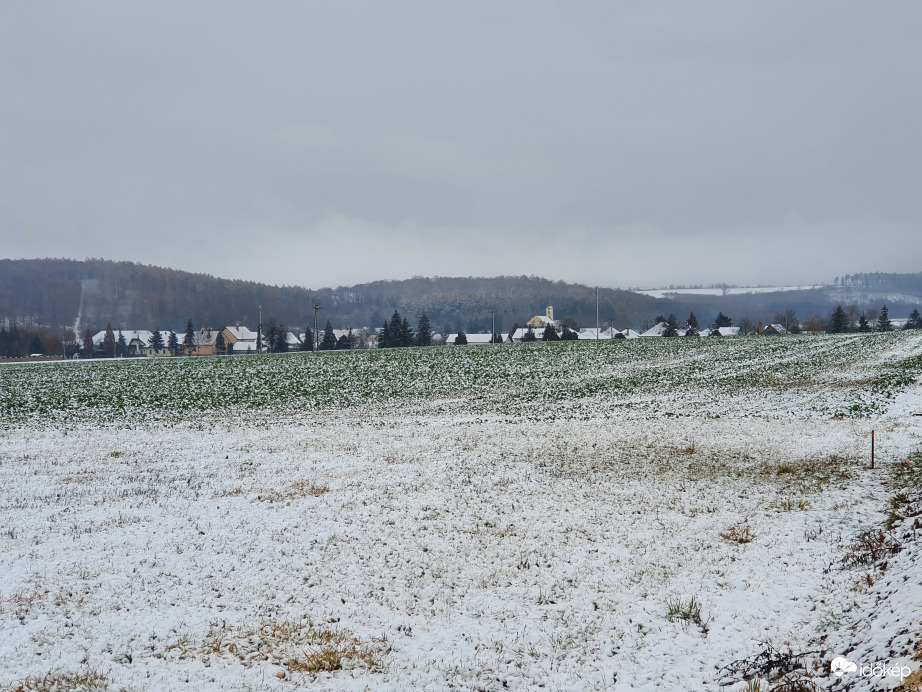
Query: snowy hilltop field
[(662, 514)]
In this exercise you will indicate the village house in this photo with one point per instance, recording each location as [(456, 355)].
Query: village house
[(137, 342), (519, 335), (772, 330), (239, 339), (205, 342), (472, 339)]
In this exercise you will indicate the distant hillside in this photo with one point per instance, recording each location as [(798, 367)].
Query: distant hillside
[(901, 293), (58, 293)]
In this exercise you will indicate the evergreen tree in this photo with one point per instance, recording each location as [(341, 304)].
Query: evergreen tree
[(108, 341), (461, 339), (384, 336), (37, 345), (342, 343), (672, 326), (172, 343), (863, 324), (307, 341), (406, 333), (281, 339), (120, 345), (915, 320), (220, 345), (723, 320), (693, 322), (328, 343), (423, 331), (529, 335), (659, 319), (395, 334), (496, 338), (568, 334), (838, 321), (515, 328), (188, 341), (156, 341), (883, 322), (550, 333)]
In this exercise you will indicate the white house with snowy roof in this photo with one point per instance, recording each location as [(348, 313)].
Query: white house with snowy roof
[(519, 334), (472, 339), (656, 330), (593, 334), (239, 335), (137, 341)]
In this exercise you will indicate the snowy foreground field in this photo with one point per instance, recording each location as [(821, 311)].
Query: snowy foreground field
[(570, 516)]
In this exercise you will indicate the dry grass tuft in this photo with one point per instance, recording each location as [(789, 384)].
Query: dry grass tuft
[(871, 548), (305, 489), (911, 684), (789, 504), (298, 647), (89, 679), (815, 471), (738, 534), (293, 492), (21, 603), (333, 657)]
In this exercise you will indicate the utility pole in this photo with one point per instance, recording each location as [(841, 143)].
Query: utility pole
[(317, 310), (259, 332), (596, 313), (493, 328)]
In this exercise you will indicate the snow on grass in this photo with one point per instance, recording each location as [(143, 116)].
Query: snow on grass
[(472, 518)]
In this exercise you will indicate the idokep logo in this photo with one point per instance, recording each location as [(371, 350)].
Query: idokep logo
[(841, 665)]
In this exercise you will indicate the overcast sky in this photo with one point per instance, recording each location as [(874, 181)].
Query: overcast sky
[(326, 144)]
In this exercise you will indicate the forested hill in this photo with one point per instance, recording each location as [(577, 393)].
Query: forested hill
[(55, 293)]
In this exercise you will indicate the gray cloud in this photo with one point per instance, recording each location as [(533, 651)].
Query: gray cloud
[(332, 143)]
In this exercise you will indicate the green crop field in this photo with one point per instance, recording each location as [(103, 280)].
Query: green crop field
[(636, 378)]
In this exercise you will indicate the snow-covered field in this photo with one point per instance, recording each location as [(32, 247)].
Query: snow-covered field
[(569, 516)]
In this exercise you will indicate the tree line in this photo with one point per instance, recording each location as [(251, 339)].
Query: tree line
[(844, 320), (51, 293)]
